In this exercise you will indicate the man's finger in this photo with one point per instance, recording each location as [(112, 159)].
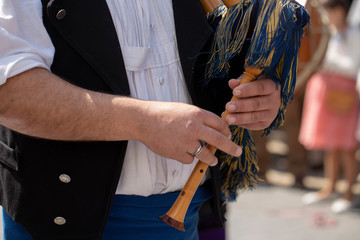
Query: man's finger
[(247, 117), (213, 121), (248, 105), (207, 157), (255, 88), (220, 141), (234, 82)]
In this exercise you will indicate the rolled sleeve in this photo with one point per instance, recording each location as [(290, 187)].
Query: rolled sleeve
[(25, 43)]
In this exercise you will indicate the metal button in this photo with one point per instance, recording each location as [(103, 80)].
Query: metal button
[(65, 178), (151, 26), (59, 220), (61, 14), (161, 80)]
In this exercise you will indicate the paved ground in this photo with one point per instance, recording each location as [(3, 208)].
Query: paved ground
[(276, 213)]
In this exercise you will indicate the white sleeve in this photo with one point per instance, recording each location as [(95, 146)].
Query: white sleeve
[(24, 41)]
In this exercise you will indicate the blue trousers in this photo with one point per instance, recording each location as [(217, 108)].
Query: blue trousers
[(136, 217), (13, 230)]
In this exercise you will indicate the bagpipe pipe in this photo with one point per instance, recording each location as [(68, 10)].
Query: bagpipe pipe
[(274, 29)]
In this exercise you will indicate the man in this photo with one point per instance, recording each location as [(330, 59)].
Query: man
[(99, 130)]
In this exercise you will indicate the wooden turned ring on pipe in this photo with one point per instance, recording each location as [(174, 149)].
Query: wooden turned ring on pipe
[(230, 3), (210, 5)]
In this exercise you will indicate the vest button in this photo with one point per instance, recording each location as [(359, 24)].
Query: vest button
[(65, 178), (61, 14), (59, 220), (161, 80)]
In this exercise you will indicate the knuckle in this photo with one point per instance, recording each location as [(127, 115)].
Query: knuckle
[(218, 139), (245, 118), (254, 117), (222, 125), (191, 125), (261, 86), (257, 103), (196, 112), (193, 122)]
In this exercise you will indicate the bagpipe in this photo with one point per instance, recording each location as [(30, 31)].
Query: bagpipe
[(275, 29)]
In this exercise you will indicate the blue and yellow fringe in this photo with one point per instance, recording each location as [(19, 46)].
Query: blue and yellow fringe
[(239, 172), (274, 48)]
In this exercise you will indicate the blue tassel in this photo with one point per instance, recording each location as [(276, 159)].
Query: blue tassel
[(229, 38), (215, 17), (239, 172), (274, 48), (277, 50)]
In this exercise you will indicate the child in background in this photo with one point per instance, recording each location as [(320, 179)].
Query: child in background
[(331, 107), (358, 91)]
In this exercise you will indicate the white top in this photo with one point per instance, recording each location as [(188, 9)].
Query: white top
[(343, 53), (146, 33), (353, 17)]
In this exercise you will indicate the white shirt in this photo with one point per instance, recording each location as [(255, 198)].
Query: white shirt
[(146, 33), (343, 53)]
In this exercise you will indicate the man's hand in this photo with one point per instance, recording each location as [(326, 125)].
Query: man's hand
[(40, 104), (174, 130), (258, 106)]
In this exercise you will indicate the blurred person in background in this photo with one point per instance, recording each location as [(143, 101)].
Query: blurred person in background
[(331, 107), (354, 16), (358, 91)]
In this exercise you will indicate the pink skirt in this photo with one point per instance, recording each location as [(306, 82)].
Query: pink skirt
[(324, 127)]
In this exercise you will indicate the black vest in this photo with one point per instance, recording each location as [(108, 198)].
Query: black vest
[(88, 55)]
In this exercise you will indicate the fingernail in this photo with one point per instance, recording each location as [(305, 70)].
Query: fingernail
[(238, 152), (229, 137), (214, 163), (231, 107), (237, 93), (232, 120)]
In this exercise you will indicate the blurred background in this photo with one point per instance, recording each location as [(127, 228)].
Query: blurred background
[(276, 210)]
